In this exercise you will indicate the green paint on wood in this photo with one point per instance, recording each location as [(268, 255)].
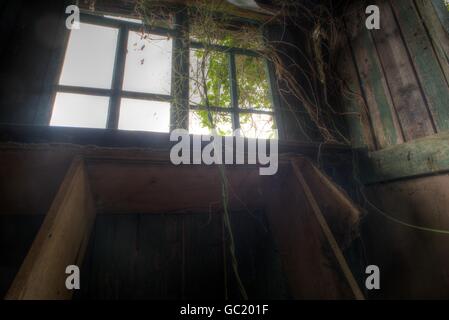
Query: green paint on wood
[(385, 124), (402, 81), (354, 104), (438, 35), (424, 156), (443, 13), (426, 63)]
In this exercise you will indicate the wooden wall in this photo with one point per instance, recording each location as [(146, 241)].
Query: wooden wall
[(414, 263), (398, 75), (180, 256), (17, 233), (397, 78)]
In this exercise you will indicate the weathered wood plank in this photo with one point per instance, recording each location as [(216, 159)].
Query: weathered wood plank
[(356, 110), (341, 214), (428, 67), (436, 31), (424, 156), (442, 12), (385, 124), (300, 240), (406, 94), (61, 241), (358, 295)]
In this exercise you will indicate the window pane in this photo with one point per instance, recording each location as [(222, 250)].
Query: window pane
[(199, 123), (90, 55), (252, 83), (215, 77), (148, 64), (78, 110), (257, 126), (144, 115)]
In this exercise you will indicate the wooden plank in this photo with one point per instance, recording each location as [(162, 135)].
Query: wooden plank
[(203, 264), (358, 295), (403, 84), (341, 214), (356, 110), (438, 34), (441, 9), (135, 142), (61, 241), (307, 259), (384, 120), (429, 68), (148, 188), (424, 156)]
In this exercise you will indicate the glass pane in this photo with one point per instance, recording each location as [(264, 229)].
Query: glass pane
[(90, 55), (78, 110), (214, 77), (252, 83), (144, 115), (148, 64), (257, 126), (199, 123)]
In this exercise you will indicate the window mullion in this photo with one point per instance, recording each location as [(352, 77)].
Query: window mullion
[(274, 96), (234, 91), (179, 112), (117, 79)]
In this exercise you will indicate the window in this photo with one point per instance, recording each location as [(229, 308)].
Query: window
[(116, 76), (237, 91)]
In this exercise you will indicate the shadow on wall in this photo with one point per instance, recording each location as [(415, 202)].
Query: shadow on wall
[(413, 264)]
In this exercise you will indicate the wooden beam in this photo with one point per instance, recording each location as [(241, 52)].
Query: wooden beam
[(358, 295), (60, 242), (128, 8), (340, 212), (424, 156)]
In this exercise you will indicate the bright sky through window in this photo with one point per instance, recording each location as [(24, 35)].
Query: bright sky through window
[(89, 58), (148, 64), (144, 115), (79, 110)]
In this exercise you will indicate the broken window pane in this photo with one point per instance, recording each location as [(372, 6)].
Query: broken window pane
[(143, 115), (148, 64), (78, 110), (89, 58)]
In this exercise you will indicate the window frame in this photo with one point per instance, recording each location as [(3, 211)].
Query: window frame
[(116, 92)]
